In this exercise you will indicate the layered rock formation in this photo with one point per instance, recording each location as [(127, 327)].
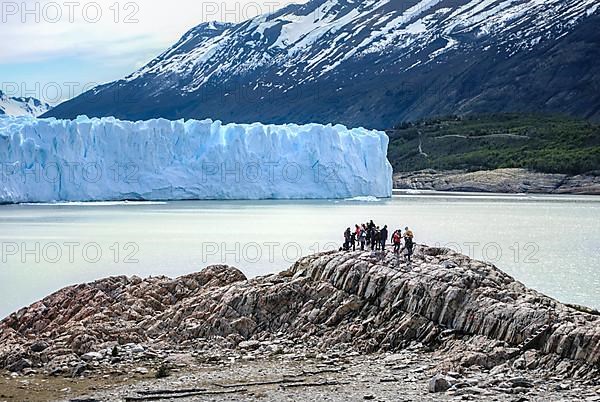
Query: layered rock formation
[(468, 311), (498, 181)]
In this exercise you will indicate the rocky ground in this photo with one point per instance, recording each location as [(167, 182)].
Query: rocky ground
[(297, 374), (498, 181), (335, 326)]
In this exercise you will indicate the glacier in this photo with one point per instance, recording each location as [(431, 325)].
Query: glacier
[(105, 159)]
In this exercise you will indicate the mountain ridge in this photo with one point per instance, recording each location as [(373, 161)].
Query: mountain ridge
[(371, 63)]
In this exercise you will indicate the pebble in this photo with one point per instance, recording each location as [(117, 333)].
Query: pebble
[(91, 356), (138, 349), (249, 345)]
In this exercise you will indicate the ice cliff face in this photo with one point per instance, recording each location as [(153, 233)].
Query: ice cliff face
[(45, 160)]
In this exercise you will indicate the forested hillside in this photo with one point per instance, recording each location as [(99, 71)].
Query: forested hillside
[(550, 144)]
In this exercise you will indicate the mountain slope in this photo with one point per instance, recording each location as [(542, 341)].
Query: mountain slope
[(370, 63), (12, 106)]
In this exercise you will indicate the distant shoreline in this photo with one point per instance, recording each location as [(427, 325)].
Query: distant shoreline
[(503, 181)]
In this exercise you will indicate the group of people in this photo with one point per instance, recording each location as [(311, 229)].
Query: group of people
[(371, 235)]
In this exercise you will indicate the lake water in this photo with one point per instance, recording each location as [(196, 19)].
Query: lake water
[(551, 243)]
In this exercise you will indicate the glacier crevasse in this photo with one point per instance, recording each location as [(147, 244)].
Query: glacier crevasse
[(49, 160)]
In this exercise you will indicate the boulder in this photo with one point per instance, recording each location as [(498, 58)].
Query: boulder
[(19, 365), (438, 383), (39, 346)]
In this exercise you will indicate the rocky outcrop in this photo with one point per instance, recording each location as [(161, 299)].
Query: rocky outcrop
[(469, 312), (446, 294), (510, 181)]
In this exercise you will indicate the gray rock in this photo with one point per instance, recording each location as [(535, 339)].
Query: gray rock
[(448, 264), (79, 370), (469, 391), (39, 346), (138, 349), (19, 365), (275, 349), (91, 356), (519, 364), (438, 383), (249, 345), (520, 382)]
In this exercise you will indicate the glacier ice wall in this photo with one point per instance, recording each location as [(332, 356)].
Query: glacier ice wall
[(47, 160)]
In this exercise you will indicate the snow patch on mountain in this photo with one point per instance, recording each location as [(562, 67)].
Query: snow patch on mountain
[(21, 106)]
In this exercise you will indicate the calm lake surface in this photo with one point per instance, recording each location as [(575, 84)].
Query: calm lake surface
[(551, 243)]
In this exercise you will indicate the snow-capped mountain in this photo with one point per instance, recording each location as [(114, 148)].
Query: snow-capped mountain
[(18, 106), (373, 63)]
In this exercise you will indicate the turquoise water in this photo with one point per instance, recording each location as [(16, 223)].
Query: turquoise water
[(551, 243)]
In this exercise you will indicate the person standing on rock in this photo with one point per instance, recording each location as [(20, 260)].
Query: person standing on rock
[(347, 239), (408, 243), (372, 238), (362, 237), (377, 238), (353, 241), (384, 237), (397, 240)]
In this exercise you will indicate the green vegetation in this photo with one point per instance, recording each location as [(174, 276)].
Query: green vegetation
[(549, 144)]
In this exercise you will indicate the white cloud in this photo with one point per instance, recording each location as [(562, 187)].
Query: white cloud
[(33, 31), (41, 50)]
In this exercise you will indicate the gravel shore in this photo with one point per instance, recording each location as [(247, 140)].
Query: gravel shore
[(251, 376)]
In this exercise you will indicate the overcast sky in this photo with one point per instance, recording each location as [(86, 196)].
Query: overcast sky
[(53, 49)]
